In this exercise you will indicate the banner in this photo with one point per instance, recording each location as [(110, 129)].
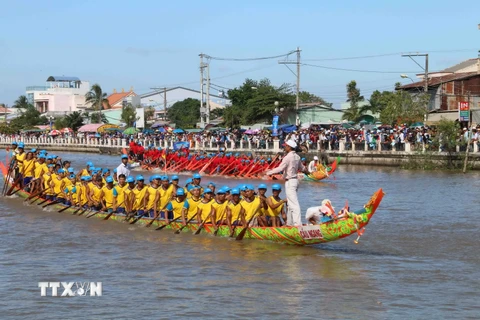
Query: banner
[(463, 111), (180, 145), (275, 126)]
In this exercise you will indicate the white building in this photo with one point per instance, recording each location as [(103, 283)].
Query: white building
[(60, 95)]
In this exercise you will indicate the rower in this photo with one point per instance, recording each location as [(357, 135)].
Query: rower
[(219, 206), (175, 181), (115, 176), (235, 211), (95, 193), (227, 192), (263, 218), (71, 191), (166, 192), (58, 186), (19, 158), (177, 207), (312, 166), (105, 174), (85, 172), (205, 206), (109, 196), (83, 197), (46, 179), (320, 214), (251, 204), (153, 195), (28, 169), (276, 206), (211, 186), (66, 165), (120, 187), (197, 178), (129, 196), (193, 202), (188, 182), (140, 204)]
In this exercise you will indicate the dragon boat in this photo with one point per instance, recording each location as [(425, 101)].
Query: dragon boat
[(329, 231)]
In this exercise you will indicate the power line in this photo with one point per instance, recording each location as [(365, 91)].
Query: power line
[(355, 70), (249, 59), (385, 55)]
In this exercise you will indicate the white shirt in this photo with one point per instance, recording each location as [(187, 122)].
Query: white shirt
[(312, 167), (315, 213), (123, 169)]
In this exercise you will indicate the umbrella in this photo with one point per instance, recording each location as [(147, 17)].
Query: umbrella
[(54, 133), (178, 131), (67, 130), (147, 131), (161, 130), (130, 130), (113, 129)]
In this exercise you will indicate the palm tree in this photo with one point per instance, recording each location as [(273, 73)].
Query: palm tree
[(21, 102), (96, 97), (74, 120)]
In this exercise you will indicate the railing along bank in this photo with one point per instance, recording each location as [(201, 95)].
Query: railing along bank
[(247, 146)]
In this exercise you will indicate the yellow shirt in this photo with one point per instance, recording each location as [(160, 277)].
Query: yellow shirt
[(165, 196), (40, 169), (121, 194), (235, 209), (20, 157), (108, 196), (139, 196), (176, 207), (250, 207), (28, 168), (152, 193), (220, 209), (193, 207), (67, 182), (83, 198), (58, 187), (206, 209), (46, 183), (277, 211)]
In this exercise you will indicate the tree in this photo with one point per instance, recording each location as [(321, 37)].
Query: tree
[(21, 102), (446, 138), (129, 115), (29, 117), (217, 113), (403, 107), (98, 99), (98, 117), (186, 113), (149, 113), (354, 113), (307, 97), (60, 123), (74, 120)]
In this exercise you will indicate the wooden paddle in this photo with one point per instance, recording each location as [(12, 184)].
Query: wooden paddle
[(180, 229), (67, 207), (15, 183), (244, 230), (94, 213), (79, 208), (50, 204), (202, 224), (18, 189), (9, 175), (153, 220), (113, 211), (139, 217), (167, 224), (34, 195)]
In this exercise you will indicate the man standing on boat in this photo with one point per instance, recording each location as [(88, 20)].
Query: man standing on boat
[(124, 167), (290, 166)]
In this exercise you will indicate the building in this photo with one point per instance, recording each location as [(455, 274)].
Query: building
[(117, 99), (60, 95), (314, 113), (448, 88)]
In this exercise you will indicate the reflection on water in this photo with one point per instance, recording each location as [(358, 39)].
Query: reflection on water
[(402, 268)]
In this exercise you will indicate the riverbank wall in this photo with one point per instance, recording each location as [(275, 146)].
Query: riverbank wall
[(360, 155)]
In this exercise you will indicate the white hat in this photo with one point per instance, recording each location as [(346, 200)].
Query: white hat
[(464, 128), (315, 158), (291, 143)]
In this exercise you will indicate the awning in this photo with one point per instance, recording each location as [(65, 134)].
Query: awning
[(434, 118), (96, 127)]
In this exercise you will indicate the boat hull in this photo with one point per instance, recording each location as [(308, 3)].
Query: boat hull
[(305, 235)]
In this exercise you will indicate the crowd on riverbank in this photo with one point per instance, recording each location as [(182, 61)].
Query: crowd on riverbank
[(314, 137)]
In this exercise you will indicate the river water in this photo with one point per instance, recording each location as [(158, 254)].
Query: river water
[(418, 259)]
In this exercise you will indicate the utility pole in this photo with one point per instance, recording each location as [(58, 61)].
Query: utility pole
[(470, 132), (207, 117), (297, 74), (202, 111), (165, 102), (425, 77)]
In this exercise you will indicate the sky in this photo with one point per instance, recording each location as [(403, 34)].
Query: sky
[(148, 43)]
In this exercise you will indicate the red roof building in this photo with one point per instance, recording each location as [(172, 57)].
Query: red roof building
[(116, 99)]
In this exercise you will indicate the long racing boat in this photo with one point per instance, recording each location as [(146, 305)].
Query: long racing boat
[(336, 229)]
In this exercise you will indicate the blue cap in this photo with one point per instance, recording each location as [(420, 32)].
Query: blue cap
[(249, 187), (157, 177), (82, 178), (227, 189), (33, 150), (49, 157), (43, 151), (197, 176), (243, 187), (115, 170), (105, 170), (175, 177), (109, 179), (211, 184), (303, 159), (61, 170), (70, 170), (276, 186), (51, 165), (14, 142), (21, 145), (88, 178), (189, 180), (130, 179), (124, 156), (140, 178), (221, 191), (262, 186), (89, 164), (235, 191), (91, 168), (164, 178), (207, 190), (42, 156), (180, 192), (190, 187), (72, 176), (151, 178)]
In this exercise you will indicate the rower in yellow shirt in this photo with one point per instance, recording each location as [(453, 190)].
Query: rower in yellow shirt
[(28, 169), (46, 180), (166, 193), (95, 193), (276, 206), (235, 211), (140, 191), (152, 195), (205, 206), (177, 207), (121, 187), (109, 196), (129, 196), (40, 169), (219, 208), (193, 202), (251, 204), (58, 186)]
